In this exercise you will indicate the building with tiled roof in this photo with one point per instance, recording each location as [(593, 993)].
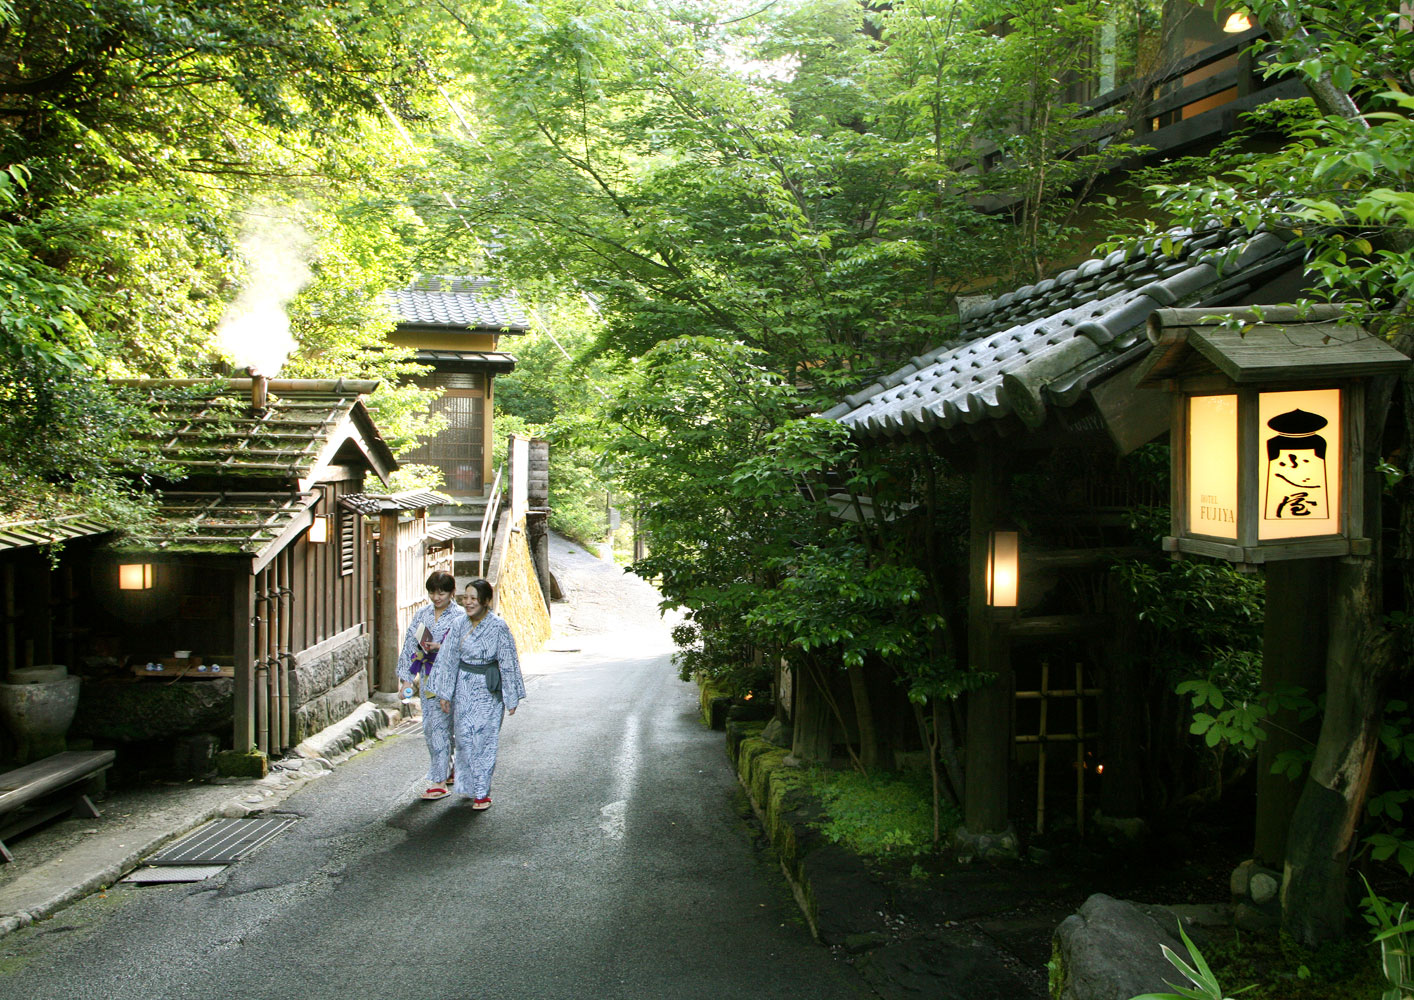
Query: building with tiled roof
[(249, 564), (1034, 405), (455, 324)]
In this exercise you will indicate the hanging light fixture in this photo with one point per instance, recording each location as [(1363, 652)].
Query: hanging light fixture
[(319, 529)]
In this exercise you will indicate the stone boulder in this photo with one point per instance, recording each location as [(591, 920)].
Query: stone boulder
[(1113, 950)]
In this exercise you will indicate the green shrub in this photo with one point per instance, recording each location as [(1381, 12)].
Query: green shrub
[(877, 815)]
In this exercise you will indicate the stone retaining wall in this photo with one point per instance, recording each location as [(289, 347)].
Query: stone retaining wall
[(837, 897), (329, 682)]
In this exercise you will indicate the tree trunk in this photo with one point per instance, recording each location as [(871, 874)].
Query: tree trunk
[(1327, 816), (810, 736), (864, 718)]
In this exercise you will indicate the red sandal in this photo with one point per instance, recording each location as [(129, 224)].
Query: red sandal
[(436, 793), (481, 803)]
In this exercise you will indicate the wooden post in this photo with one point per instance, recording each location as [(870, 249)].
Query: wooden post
[(243, 618), (488, 434), (989, 710), (1293, 652), (387, 638), (261, 663), (1041, 734)]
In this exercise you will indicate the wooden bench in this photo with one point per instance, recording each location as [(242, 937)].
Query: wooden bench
[(40, 791)]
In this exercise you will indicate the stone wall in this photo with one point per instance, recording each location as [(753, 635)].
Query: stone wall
[(330, 680), (518, 597)]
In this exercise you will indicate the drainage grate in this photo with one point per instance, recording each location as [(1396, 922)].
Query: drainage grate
[(221, 841), (174, 873), (408, 726)]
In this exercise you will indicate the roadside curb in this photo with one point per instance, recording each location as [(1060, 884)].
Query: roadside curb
[(98, 864), (841, 902)]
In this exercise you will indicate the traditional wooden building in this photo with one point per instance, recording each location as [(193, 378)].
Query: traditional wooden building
[(247, 605), (1040, 389)]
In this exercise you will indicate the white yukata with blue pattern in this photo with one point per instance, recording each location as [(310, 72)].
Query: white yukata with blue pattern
[(476, 712), (436, 727)]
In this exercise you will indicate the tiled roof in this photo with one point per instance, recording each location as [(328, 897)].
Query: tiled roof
[(22, 534), (1045, 344), (220, 520), (460, 304), (215, 431), (378, 503)]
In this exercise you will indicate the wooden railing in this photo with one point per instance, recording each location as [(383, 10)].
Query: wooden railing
[(488, 522), (1166, 116)]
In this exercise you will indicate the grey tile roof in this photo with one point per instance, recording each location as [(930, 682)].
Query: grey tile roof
[(1045, 344), (459, 304)]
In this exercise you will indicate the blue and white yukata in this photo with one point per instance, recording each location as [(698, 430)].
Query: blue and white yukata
[(476, 712), (447, 629)]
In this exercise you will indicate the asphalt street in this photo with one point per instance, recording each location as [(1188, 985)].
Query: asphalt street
[(616, 862)]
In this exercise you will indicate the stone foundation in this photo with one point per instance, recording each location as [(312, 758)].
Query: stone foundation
[(329, 681)]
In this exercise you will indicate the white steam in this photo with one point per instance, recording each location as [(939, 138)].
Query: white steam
[(255, 331)]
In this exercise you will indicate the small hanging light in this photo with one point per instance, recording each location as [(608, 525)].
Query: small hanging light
[(319, 529)]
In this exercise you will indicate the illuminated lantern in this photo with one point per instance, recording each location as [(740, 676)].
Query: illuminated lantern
[(1267, 426), (319, 528), (1003, 552), (1236, 23), (135, 576)]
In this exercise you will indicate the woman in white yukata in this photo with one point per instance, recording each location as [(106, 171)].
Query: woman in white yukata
[(471, 697), (446, 624)]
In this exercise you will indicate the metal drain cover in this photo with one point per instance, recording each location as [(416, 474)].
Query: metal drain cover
[(408, 726), (174, 873), (222, 841)]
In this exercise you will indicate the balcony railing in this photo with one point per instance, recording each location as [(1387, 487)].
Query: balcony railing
[(1197, 99)]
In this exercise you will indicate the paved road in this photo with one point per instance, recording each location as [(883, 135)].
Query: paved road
[(616, 863)]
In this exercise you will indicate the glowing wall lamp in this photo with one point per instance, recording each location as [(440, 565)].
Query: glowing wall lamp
[(319, 528), (1237, 22), (1003, 568), (1267, 427), (135, 576)]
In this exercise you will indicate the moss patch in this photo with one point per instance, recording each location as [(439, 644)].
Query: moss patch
[(236, 764)]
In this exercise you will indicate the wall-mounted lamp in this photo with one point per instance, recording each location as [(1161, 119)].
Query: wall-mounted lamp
[(1003, 569), (1237, 22), (135, 576), (319, 528)]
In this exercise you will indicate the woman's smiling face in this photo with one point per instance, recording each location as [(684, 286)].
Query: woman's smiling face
[(440, 598), (474, 607)]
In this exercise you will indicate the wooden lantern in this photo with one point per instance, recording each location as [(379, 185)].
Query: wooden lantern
[(135, 576), (1267, 429), (1003, 568)]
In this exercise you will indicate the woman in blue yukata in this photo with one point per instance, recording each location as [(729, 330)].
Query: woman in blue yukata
[(446, 624), (477, 689)]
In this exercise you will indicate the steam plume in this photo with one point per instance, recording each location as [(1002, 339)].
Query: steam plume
[(255, 331)]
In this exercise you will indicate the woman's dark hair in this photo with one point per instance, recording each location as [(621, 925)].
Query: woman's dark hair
[(444, 582), (482, 588)]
